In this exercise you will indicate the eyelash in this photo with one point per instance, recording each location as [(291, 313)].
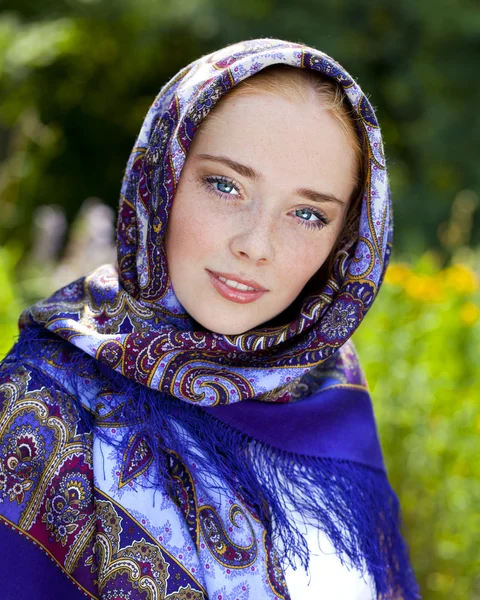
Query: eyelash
[(208, 182)]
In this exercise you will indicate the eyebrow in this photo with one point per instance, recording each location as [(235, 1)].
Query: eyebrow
[(250, 173), (238, 167)]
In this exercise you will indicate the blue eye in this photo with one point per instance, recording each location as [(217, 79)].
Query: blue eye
[(307, 215), (221, 186), (225, 187), (311, 219)]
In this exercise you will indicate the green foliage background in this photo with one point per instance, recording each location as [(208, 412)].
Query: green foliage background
[(76, 78), (420, 347)]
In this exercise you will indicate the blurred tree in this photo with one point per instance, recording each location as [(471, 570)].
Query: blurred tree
[(77, 77)]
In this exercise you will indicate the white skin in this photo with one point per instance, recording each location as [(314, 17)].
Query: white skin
[(269, 228)]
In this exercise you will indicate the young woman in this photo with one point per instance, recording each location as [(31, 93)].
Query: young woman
[(193, 423)]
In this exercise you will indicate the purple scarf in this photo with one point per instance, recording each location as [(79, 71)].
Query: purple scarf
[(315, 426)]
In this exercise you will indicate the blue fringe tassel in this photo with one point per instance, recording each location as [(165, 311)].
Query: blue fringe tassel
[(353, 504)]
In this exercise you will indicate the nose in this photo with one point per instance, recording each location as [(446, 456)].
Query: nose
[(254, 240)]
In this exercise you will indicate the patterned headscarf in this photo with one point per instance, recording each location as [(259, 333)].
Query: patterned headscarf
[(129, 318), (121, 350)]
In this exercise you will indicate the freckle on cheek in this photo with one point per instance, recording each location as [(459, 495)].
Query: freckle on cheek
[(193, 237)]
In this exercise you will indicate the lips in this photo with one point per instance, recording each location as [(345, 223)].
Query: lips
[(248, 282), (236, 289)]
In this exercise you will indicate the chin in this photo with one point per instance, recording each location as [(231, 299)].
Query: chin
[(227, 328), (232, 326), (230, 329)]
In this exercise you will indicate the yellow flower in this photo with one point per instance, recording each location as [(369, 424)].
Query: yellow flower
[(461, 279), (425, 288), (436, 291), (397, 273), (469, 313)]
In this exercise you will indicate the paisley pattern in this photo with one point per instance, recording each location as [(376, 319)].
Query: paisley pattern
[(342, 369), (182, 492), (50, 493), (205, 520), (130, 320), (115, 564), (67, 502), (221, 546), (22, 455), (276, 578), (136, 460)]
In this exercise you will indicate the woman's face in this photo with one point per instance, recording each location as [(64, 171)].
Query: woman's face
[(260, 203)]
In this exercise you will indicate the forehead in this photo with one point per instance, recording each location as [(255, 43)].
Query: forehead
[(289, 139)]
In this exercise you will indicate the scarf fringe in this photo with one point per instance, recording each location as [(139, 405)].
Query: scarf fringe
[(351, 503)]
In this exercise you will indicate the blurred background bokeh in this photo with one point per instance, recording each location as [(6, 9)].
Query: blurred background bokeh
[(77, 77)]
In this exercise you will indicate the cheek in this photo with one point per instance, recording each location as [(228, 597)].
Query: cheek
[(191, 232), (303, 258)]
